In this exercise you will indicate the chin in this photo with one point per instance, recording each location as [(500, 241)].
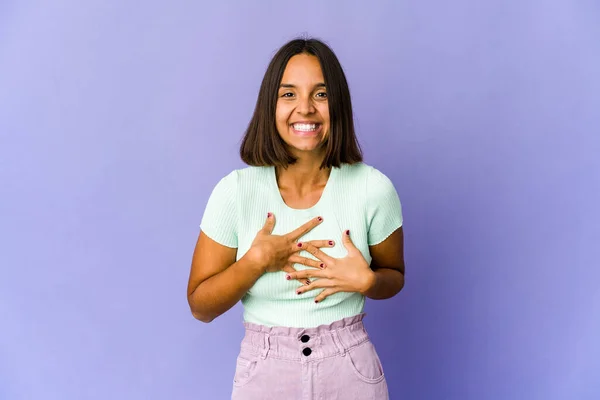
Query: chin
[(313, 144), (307, 148)]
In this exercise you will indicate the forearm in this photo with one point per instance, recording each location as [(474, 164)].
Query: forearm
[(220, 292), (384, 284)]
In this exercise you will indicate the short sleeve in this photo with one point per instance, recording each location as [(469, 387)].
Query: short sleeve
[(384, 211), (219, 221)]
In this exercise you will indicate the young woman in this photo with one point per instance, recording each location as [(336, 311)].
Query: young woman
[(301, 237)]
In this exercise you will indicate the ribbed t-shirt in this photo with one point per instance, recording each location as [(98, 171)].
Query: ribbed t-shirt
[(357, 197)]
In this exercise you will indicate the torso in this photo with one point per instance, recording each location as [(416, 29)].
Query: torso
[(272, 300)]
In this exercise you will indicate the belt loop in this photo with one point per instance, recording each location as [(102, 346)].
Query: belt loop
[(338, 343), (266, 346)]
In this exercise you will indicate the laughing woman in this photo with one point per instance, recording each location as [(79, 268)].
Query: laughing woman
[(301, 237)]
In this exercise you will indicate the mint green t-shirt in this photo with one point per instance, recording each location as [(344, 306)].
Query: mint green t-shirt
[(357, 197)]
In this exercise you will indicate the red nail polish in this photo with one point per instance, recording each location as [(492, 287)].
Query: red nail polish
[(288, 277), (297, 292), (320, 219), (348, 232), (316, 301), (269, 215), (331, 242), (299, 244), (307, 282), (322, 265)]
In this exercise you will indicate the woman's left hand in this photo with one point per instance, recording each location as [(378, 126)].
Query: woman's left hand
[(349, 274)]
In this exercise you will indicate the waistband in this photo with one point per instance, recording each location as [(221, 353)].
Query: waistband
[(305, 344)]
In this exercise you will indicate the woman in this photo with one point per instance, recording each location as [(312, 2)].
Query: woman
[(301, 237)]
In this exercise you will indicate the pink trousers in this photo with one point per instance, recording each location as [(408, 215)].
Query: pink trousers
[(329, 362)]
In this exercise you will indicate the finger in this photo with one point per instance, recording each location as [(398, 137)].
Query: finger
[(321, 243), (309, 262), (347, 241), (317, 253), (305, 274), (269, 224), (325, 293), (290, 270), (303, 229), (319, 283)]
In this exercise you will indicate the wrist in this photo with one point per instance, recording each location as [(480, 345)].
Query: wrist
[(368, 282), (254, 263)]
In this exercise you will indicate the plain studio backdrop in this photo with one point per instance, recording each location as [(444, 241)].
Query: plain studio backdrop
[(118, 118)]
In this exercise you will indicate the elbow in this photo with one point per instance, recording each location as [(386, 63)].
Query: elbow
[(400, 280), (401, 285), (202, 317), (198, 313)]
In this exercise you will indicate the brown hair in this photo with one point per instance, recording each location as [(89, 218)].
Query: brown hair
[(262, 145)]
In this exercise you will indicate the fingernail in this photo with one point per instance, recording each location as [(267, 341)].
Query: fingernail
[(322, 265), (269, 215), (316, 301), (299, 244), (331, 242), (298, 292), (288, 277), (307, 282), (348, 232), (320, 219)]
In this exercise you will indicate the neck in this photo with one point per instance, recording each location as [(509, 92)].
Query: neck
[(303, 175)]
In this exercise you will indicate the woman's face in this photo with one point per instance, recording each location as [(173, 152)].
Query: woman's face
[(302, 114)]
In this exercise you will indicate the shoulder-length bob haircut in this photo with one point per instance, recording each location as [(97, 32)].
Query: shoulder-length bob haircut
[(262, 145)]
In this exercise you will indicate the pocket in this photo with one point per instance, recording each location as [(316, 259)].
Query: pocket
[(366, 363), (245, 368)]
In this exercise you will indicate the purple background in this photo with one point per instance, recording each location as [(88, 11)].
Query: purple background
[(118, 118)]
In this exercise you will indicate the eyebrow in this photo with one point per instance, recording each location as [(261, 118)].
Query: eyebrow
[(289, 85)]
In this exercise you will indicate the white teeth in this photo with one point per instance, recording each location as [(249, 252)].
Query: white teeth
[(305, 127)]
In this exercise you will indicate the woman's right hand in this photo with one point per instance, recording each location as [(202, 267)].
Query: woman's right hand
[(273, 252)]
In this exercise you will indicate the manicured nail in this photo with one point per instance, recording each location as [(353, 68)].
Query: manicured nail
[(288, 277), (298, 292), (299, 244), (322, 265), (316, 301), (320, 219), (331, 242), (348, 232), (269, 215), (307, 282)]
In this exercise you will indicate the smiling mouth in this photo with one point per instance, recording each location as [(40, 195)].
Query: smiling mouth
[(303, 127), (306, 129)]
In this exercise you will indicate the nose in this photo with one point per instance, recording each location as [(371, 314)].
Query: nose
[(305, 105)]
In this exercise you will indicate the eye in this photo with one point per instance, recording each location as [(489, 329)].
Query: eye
[(287, 94), (322, 95)]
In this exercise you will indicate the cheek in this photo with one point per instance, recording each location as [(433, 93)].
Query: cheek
[(281, 123), (327, 126), (324, 111), (281, 116)]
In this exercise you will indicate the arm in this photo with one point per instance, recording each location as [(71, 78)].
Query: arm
[(217, 282), (383, 279), (388, 267)]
